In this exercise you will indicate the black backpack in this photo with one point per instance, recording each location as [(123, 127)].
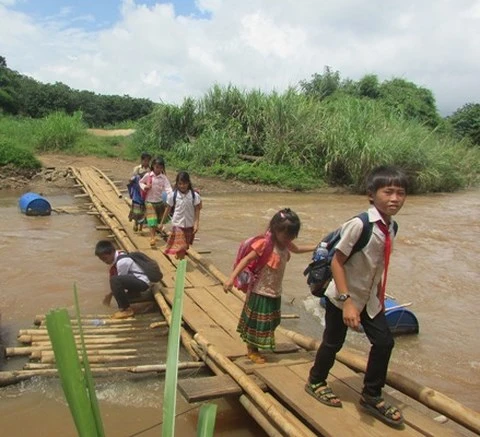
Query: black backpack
[(149, 266), (319, 273)]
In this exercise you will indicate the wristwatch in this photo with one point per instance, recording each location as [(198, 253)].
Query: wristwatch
[(342, 297)]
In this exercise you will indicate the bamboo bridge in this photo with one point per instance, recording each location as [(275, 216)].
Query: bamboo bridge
[(272, 393)]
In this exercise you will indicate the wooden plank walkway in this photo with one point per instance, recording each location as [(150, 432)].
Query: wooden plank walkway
[(213, 314)]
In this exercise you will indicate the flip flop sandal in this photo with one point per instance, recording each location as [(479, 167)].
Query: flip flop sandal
[(323, 393), (385, 412), (256, 358)]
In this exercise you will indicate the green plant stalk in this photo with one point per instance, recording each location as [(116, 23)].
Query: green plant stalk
[(173, 347), (69, 369), (88, 373), (206, 420)]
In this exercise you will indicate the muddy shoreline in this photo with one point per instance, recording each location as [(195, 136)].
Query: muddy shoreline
[(54, 174)]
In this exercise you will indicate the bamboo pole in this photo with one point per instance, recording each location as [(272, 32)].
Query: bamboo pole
[(167, 313), (108, 180), (94, 319), (116, 228), (104, 338), (290, 316), (259, 417), (250, 388), (91, 330), (290, 416), (38, 355), (27, 350), (12, 377), (97, 358), (91, 341), (427, 396)]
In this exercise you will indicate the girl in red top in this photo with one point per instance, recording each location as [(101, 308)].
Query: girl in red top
[(261, 312)]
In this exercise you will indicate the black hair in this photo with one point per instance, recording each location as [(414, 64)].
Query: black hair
[(183, 176), (386, 176), (104, 247), (287, 221), (159, 161), (145, 155)]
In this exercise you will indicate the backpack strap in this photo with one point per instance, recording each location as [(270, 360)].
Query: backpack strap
[(267, 252), (395, 227), (175, 197), (365, 235)]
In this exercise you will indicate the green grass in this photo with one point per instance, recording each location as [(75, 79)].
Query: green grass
[(304, 143), (301, 143)]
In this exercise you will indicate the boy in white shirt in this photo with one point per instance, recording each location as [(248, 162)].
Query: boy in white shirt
[(356, 296)]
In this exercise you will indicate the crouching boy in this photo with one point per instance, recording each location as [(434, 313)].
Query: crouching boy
[(127, 279)]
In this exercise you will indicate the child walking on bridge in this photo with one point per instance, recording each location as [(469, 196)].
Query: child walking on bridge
[(155, 183), (356, 296), (137, 210), (262, 309), (186, 204)]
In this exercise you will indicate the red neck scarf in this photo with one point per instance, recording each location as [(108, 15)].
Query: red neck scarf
[(387, 251)]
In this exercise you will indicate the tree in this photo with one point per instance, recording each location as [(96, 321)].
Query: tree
[(368, 86), (412, 101), (466, 122), (322, 85)]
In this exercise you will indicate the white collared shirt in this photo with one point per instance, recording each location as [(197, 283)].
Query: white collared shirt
[(184, 214), (364, 269), (127, 266)]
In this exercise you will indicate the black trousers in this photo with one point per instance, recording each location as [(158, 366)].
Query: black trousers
[(380, 337), (123, 286)]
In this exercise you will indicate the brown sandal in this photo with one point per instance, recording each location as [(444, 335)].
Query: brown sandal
[(256, 358)]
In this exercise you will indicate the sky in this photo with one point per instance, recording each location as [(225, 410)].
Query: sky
[(169, 50)]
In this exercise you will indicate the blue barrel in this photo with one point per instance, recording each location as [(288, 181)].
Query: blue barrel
[(34, 204)]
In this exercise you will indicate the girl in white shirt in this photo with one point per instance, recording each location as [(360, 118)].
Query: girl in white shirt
[(186, 205)]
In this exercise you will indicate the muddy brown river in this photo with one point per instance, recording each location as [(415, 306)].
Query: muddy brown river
[(435, 266)]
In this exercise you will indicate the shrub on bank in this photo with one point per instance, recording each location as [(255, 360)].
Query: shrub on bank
[(59, 132), (10, 153)]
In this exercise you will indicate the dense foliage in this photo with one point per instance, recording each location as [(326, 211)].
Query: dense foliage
[(466, 122), (326, 131), (401, 96), (24, 96), (299, 140)]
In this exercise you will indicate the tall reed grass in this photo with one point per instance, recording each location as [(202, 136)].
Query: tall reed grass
[(336, 141), (59, 132)]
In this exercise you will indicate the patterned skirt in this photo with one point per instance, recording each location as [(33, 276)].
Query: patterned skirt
[(259, 319), (137, 212), (154, 213), (179, 241)]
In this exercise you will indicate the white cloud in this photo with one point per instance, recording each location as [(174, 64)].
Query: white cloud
[(264, 44)]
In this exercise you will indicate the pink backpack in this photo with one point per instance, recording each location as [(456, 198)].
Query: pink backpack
[(247, 278)]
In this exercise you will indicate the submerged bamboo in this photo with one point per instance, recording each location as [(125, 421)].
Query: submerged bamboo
[(14, 376), (167, 313), (259, 417)]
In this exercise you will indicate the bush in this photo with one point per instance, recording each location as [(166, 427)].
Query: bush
[(58, 132), (10, 153)]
